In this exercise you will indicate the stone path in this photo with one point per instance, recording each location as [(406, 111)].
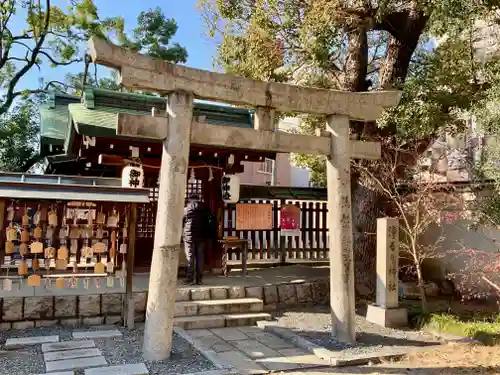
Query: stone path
[(251, 350), (71, 355), (27, 341), (64, 358)]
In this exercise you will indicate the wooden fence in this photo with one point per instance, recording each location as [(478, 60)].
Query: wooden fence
[(269, 246)]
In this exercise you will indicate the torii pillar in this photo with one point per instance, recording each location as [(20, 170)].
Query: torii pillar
[(168, 228), (342, 293)]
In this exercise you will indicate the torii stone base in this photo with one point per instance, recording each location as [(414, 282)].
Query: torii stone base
[(390, 318)]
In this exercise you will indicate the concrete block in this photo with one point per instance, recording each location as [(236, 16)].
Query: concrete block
[(5, 326), (12, 309), (75, 363), (93, 321), (140, 300), (287, 294), (255, 292), (68, 345), (38, 308), (321, 292), (304, 293), (390, 318), (238, 320), (271, 295), (183, 295), (45, 323), (236, 292), (112, 304), (89, 305), (199, 322), (200, 294), (96, 334), (28, 341), (130, 369), (68, 354), (61, 373), (113, 319), (218, 293), (70, 322), (23, 325), (65, 307), (186, 309)]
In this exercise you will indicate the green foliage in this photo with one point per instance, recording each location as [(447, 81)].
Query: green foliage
[(54, 36), (485, 330), (19, 130), (152, 37), (51, 35), (308, 43)]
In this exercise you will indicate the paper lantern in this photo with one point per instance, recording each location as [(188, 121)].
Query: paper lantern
[(230, 188), (133, 177)]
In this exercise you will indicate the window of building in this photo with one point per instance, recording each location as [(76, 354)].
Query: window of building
[(266, 166)]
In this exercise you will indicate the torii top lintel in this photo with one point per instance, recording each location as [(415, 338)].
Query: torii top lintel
[(147, 73)]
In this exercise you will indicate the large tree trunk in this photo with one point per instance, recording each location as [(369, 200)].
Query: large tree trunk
[(405, 29)]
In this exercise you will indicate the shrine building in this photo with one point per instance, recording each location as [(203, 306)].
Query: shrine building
[(79, 137)]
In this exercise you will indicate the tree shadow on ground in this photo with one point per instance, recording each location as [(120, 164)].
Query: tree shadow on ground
[(389, 370)]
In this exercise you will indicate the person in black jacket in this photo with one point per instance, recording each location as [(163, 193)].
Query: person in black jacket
[(196, 234)]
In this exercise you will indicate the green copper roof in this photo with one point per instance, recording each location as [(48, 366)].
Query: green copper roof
[(95, 114), (54, 118)]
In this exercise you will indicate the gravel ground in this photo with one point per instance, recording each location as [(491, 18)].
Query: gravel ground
[(184, 358), (127, 349), (314, 324)]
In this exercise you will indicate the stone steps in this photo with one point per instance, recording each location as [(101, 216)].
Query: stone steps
[(221, 306), (220, 321)]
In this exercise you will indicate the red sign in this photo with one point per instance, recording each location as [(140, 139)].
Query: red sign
[(290, 218)]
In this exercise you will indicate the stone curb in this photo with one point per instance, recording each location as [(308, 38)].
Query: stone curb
[(213, 372), (208, 354), (331, 357)]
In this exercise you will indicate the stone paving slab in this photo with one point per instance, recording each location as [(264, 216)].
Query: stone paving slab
[(270, 340), (243, 364), (68, 354), (61, 373), (68, 345), (200, 333), (278, 364), (97, 334), (214, 343), (130, 369), (75, 363), (26, 341), (255, 349), (229, 334)]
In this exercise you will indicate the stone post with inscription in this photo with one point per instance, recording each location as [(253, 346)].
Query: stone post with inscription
[(386, 311), (338, 176)]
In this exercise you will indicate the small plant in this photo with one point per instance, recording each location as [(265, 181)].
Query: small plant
[(482, 329), (417, 200)]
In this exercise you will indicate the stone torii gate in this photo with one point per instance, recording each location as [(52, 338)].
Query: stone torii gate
[(178, 129)]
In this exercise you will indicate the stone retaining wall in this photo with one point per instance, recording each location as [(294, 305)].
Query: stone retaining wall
[(29, 312)]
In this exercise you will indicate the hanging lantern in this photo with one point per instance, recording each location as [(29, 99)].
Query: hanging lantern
[(133, 176), (230, 188)]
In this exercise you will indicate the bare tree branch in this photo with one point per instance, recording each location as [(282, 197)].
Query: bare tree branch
[(10, 94)]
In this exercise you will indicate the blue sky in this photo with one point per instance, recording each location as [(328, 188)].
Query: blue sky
[(201, 49)]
